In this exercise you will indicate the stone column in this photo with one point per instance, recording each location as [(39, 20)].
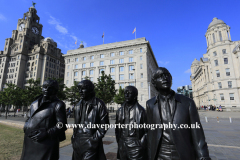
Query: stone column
[(229, 34)]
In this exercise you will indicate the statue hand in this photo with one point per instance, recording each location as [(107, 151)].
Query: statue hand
[(40, 135)]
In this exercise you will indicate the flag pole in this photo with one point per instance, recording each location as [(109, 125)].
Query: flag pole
[(135, 32), (76, 44), (103, 39)]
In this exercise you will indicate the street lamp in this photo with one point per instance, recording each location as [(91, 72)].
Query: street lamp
[(135, 78), (214, 99)]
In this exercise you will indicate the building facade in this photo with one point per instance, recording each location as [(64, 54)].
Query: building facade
[(27, 54), (185, 90), (215, 78), (128, 62)]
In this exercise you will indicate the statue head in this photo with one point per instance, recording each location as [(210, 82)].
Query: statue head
[(50, 88), (162, 79), (86, 89), (130, 94)]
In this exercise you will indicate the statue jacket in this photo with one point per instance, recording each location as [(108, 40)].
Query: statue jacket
[(138, 115), (45, 115), (95, 113), (190, 142)]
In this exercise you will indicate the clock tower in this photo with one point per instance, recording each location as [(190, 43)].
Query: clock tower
[(28, 55), (29, 30)]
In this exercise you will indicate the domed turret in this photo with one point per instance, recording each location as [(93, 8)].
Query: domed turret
[(218, 31), (81, 45), (215, 21), (49, 39)]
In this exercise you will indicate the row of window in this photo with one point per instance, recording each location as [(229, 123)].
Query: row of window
[(229, 84), (51, 76), (231, 96), (224, 59), (227, 72), (51, 65), (220, 36), (11, 81), (223, 52), (11, 76), (121, 76), (11, 70), (112, 70), (28, 69), (12, 59), (11, 64), (32, 57), (51, 71), (102, 55), (30, 75), (120, 85), (101, 63)]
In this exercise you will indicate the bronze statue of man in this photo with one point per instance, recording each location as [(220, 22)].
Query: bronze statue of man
[(87, 142), (132, 142), (45, 126), (172, 109)]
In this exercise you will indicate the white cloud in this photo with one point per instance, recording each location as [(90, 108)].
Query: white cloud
[(74, 37), (188, 71), (60, 28), (63, 45), (2, 17), (163, 63)]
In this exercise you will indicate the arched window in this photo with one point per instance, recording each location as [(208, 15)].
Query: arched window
[(220, 35), (32, 63), (214, 41), (28, 64)]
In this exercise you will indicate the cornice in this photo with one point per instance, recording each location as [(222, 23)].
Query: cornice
[(106, 47)]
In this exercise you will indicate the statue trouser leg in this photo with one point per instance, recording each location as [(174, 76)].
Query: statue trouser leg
[(84, 148), (130, 149)]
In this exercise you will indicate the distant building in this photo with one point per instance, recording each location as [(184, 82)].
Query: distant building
[(128, 62), (27, 54), (185, 90), (215, 78)]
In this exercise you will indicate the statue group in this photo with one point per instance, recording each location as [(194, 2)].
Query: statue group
[(47, 113)]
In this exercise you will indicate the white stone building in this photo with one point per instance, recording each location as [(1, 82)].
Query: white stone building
[(215, 78), (128, 62), (27, 54)]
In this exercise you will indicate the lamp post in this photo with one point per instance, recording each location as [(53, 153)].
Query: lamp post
[(135, 78), (214, 99)]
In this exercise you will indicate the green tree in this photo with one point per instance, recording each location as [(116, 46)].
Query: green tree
[(72, 94), (33, 89), (87, 78), (119, 97), (10, 97), (105, 88)]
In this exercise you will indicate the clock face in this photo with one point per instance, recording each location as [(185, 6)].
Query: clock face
[(35, 30), (21, 26)]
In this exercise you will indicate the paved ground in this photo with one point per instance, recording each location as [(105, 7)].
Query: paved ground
[(222, 136)]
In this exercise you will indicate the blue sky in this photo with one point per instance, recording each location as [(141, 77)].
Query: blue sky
[(174, 28)]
